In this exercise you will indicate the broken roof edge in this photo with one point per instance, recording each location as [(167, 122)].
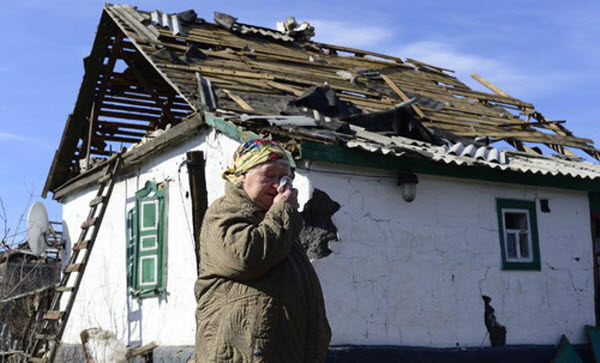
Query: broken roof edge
[(418, 164), (84, 96), (421, 160), (408, 158), (135, 155), (149, 59)]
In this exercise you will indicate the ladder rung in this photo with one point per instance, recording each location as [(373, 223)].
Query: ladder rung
[(36, 360), (81, 245), (88, 223), (97, 200), (45, 337), (104, 178), (64, 288), (74, 267), (53, 315)]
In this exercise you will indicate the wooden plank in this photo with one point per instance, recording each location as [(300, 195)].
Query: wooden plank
[(522, 147), (419, 63), (134, 352), (89, 222), (489, 85), (403, 96), (74, 267), (138, 100), (238, 100), (97, 200), (542, 122), (121, 132), (286, 88), (53, 315), (492, 98), (214, 70), (88, 142), (81, 246), (358, 51), (45, 337), (104, 178)]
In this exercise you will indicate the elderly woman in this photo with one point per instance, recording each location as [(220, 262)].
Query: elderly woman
[(259, 298)]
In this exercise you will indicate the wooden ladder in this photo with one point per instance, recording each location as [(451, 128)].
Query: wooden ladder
[(50, 332)]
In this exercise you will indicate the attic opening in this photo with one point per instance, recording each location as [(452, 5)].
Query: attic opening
[(130, 101), (126, 101)]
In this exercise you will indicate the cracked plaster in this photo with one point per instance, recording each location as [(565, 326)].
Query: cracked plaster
[(401, 274), (422, 267)]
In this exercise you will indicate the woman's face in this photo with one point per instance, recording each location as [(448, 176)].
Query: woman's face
[(261, 183)]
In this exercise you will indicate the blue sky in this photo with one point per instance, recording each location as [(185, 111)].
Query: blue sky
[(542, 52)]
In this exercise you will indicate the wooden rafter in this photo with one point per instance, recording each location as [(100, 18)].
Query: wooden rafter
[(104, 84), (153, 94), (551, 125)]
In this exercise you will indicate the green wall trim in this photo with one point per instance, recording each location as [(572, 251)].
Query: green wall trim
[(228, 128), (356, 157), (535, 243)]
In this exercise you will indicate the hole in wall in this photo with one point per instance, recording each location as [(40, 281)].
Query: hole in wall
[(318, 229), (497, 331)]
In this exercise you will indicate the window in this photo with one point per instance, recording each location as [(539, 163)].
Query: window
[(517, 224), (146, 242)]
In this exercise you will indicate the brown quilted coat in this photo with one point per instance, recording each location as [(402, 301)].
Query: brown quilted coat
[(259, 298)]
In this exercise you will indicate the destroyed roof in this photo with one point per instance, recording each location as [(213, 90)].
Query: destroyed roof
[(150, 70)]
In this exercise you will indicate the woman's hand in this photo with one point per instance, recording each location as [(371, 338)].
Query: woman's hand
[(289, 196)]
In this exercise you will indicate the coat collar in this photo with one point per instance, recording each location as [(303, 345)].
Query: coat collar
[(237, 194)]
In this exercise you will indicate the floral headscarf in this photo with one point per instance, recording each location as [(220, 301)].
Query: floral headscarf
[(252, 153)]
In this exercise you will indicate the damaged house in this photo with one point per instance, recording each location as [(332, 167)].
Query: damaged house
[(424, 230)]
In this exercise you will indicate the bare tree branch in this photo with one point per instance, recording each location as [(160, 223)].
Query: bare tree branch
[(4, 220), (22, 217)]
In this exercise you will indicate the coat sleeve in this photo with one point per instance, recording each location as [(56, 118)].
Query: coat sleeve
[(243, 250)]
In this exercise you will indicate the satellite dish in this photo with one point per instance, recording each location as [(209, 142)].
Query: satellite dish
[(37, 228)]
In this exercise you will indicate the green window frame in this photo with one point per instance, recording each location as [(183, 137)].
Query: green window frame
[(519, 241), (146, 242)]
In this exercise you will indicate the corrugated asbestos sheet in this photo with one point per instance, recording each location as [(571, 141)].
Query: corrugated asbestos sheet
[(481, 156), (281, 81), (168, 21), (248, 29)]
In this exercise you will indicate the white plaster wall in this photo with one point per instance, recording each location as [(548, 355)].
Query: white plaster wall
[(403, 273), (413, 273), (102, 300)]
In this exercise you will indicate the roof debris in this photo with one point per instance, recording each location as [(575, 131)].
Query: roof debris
[(178, 64), (300, 32)]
